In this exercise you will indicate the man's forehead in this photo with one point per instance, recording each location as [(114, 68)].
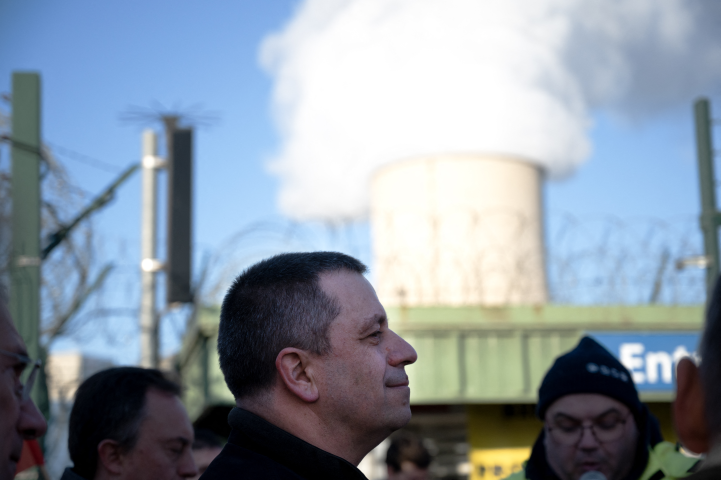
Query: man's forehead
[(356, 297), (10, 339), (584, 405), (372, 321), (350, 289)]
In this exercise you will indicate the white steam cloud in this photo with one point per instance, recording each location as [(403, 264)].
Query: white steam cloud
[(361, 83)]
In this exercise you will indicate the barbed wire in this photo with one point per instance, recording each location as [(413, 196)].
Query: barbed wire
[(606, 259), (82, 158), (589, 260)]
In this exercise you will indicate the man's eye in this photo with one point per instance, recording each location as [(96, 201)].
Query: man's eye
[(608, 423), (568, 427), (19, 368), (376, 334)]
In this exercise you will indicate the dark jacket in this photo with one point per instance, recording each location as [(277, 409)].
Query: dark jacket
[(69, 474), (258, 449), (711, 473)]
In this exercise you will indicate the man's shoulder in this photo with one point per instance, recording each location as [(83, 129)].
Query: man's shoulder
[(712, 473), (69, 474), (238, 462)]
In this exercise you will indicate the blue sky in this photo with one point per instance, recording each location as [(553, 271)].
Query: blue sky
[(97, 59)]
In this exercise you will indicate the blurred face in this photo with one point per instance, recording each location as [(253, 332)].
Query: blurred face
[(162, 451), (591, 416), (19, 420), (409, 471), (363, 379), (203, 457)]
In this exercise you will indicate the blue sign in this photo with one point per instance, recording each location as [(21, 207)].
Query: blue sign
[(650, 357)]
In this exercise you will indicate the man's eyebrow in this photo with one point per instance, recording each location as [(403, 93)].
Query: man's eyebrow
[(183, 440), (19, 349), (371, 322), (610, 410), (564, 416)]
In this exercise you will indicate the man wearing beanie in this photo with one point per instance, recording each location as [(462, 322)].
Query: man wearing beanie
[(594, 421)]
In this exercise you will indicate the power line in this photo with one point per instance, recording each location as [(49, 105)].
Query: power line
[(82, 158)]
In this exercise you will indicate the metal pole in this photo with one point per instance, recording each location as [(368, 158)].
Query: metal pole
[(707, 181), (25, 259), (149, 264)]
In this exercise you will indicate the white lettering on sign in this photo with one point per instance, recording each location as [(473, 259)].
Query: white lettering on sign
[(650, 367), (656, 361), (630, 354), (680, 353)]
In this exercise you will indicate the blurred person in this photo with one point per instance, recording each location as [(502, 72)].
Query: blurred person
[(594, 421), (697, 409), (407, 458), (19, 417), (128, 423), (206, 446), (317, 374)]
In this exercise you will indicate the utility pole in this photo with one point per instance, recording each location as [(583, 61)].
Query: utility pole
[(25, 260), (710, 217), (177, 267), (180, 210), (149, 264)]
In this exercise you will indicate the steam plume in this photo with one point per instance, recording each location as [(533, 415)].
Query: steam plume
[(360, 83)]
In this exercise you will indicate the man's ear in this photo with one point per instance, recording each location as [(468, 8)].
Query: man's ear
[(292, 366), (110, 457), (688, 409)]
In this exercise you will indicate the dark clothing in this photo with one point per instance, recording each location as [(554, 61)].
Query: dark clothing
[(68, 474), (258, 449), (712, 473)]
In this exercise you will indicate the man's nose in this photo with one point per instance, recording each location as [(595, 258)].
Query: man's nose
[(588, 439), (31, 423), (401, 352), (187, 467)]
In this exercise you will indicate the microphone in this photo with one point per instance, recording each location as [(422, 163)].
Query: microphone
[(593, 475)]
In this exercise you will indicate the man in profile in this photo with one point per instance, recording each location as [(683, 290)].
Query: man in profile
[(317, 375), (19, 417), (407, 458), (697, 410), (593, 421), (128, 423)]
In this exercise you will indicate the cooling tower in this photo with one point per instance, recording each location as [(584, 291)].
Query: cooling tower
[(459, 230)]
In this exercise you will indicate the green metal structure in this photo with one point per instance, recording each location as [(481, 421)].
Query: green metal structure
[(25, 254), (466, 355), (710, 217)]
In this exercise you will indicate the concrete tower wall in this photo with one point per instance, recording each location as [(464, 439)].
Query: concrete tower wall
[(459, 230)]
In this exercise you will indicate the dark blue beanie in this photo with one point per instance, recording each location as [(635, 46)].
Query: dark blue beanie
[(588, 368)]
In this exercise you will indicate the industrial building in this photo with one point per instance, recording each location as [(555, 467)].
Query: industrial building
[(459, 265)]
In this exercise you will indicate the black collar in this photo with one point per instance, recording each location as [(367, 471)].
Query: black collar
[(254, 433)]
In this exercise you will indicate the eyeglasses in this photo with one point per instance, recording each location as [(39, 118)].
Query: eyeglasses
[(606, 428), (24, 389)]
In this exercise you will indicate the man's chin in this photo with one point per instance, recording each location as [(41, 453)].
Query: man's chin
[(591, 467), (401, 417)]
